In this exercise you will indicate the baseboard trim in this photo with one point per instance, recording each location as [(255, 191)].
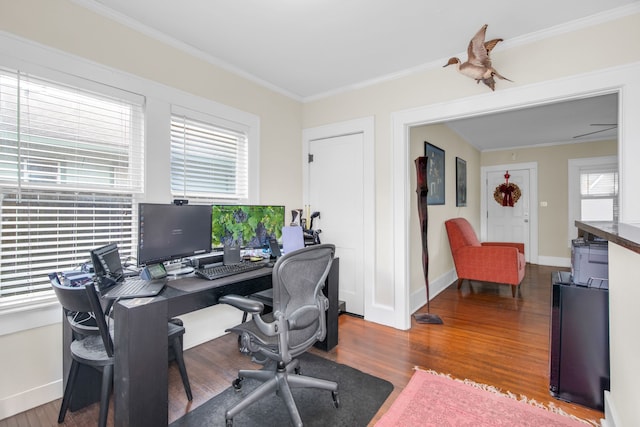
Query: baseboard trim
[(554, 261), (419, 297), (610, 414), (30, 399)]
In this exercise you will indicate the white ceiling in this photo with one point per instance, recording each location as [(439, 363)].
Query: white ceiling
[(558, 123), (307, 49)]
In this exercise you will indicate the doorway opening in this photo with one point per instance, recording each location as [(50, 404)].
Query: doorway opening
[(518, 98)]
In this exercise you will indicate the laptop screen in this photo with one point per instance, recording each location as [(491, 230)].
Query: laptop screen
[(106, 262)]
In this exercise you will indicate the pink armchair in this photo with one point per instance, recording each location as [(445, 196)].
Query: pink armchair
[(498, 262)]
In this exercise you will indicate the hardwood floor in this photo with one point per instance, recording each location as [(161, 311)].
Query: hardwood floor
[(487, 336)]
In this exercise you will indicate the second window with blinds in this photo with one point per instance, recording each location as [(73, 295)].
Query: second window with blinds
[(593, 190), (209, 158)]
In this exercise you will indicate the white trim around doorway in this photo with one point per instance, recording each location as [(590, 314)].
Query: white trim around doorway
[(366, 125), (619, 79)]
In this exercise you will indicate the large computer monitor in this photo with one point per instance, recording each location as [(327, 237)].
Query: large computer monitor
[(247, 226), (167, 232)]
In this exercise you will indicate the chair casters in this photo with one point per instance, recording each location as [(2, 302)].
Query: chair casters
[(237, 385)]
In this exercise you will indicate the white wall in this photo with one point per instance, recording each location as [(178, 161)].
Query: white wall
[(624, 317)]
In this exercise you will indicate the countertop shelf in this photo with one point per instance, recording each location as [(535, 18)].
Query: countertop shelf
[(623, 234)]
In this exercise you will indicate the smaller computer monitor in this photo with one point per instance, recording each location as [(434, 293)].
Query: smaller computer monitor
[(247, 226), (106, 261)]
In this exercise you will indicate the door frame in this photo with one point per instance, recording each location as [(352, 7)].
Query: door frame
[(618, 79), (365, 126), (532, 167)]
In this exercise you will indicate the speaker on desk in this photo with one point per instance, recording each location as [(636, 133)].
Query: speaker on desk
[(204, 261), (231, 254), (275, 248)]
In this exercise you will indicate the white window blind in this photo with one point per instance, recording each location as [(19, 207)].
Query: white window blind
[(209, 161), (47, 231), (70, 165), (599, 193)]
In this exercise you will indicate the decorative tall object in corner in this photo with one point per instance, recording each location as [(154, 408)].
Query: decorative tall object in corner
[(422, 190)]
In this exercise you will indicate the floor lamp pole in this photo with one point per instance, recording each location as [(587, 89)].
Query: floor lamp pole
[(422, 190)]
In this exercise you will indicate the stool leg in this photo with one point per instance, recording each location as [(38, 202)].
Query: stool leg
[(71, 379), (177, 350), (107, 379)]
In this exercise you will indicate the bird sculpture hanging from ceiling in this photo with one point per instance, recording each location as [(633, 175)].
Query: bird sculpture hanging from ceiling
[(478, 65)]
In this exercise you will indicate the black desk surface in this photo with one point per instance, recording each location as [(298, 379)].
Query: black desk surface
[(191, 293)]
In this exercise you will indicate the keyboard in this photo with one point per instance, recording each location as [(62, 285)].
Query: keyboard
[(219, 271)]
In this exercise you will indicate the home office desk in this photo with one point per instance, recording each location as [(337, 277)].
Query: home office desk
[(140, 339)]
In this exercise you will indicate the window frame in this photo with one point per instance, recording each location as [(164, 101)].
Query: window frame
[(241, 196), (574, 194), (60, 152), (66, 68)]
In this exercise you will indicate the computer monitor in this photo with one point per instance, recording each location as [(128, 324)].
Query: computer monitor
[(167, 232), (106, 261), (247, 226)]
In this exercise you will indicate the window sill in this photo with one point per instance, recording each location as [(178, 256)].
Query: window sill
[(18, 319)]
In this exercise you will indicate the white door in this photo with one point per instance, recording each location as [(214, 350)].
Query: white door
[(336, 191), (504, 223)]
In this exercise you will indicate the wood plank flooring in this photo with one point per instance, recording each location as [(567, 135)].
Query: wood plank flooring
[(487, 336)]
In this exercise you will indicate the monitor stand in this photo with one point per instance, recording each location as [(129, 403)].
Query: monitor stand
[(179, 270)]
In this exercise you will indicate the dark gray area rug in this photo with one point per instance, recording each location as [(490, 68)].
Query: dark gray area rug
[(361, 395)]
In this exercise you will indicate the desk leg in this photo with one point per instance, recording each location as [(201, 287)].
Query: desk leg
[(140, 377)]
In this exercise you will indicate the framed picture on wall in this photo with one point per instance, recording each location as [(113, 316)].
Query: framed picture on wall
[(435, 174), (461, 182)]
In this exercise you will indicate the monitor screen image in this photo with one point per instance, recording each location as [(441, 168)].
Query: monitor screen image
[(167, 232), (247, 226)]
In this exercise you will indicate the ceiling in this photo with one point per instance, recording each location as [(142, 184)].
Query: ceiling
[(308, 49), (559, 123)]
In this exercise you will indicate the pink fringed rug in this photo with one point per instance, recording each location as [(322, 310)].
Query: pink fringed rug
[(432, 399)]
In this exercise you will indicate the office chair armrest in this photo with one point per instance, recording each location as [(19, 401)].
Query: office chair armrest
[(243, 303)]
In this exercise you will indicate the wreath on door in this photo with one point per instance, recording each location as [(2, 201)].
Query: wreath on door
[(507, 194)]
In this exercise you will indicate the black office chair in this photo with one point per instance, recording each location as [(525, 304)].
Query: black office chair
[(93, 343), (296, 323)]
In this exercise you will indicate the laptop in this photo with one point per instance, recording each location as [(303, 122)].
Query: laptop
[(111, 279)]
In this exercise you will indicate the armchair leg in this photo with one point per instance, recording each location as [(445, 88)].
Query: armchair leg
[(460, 282), (513, 291)]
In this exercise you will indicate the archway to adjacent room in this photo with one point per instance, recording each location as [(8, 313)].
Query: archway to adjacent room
[(610, 81)]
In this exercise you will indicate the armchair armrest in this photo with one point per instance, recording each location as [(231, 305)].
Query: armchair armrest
[(243, 303), (519, 246)]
